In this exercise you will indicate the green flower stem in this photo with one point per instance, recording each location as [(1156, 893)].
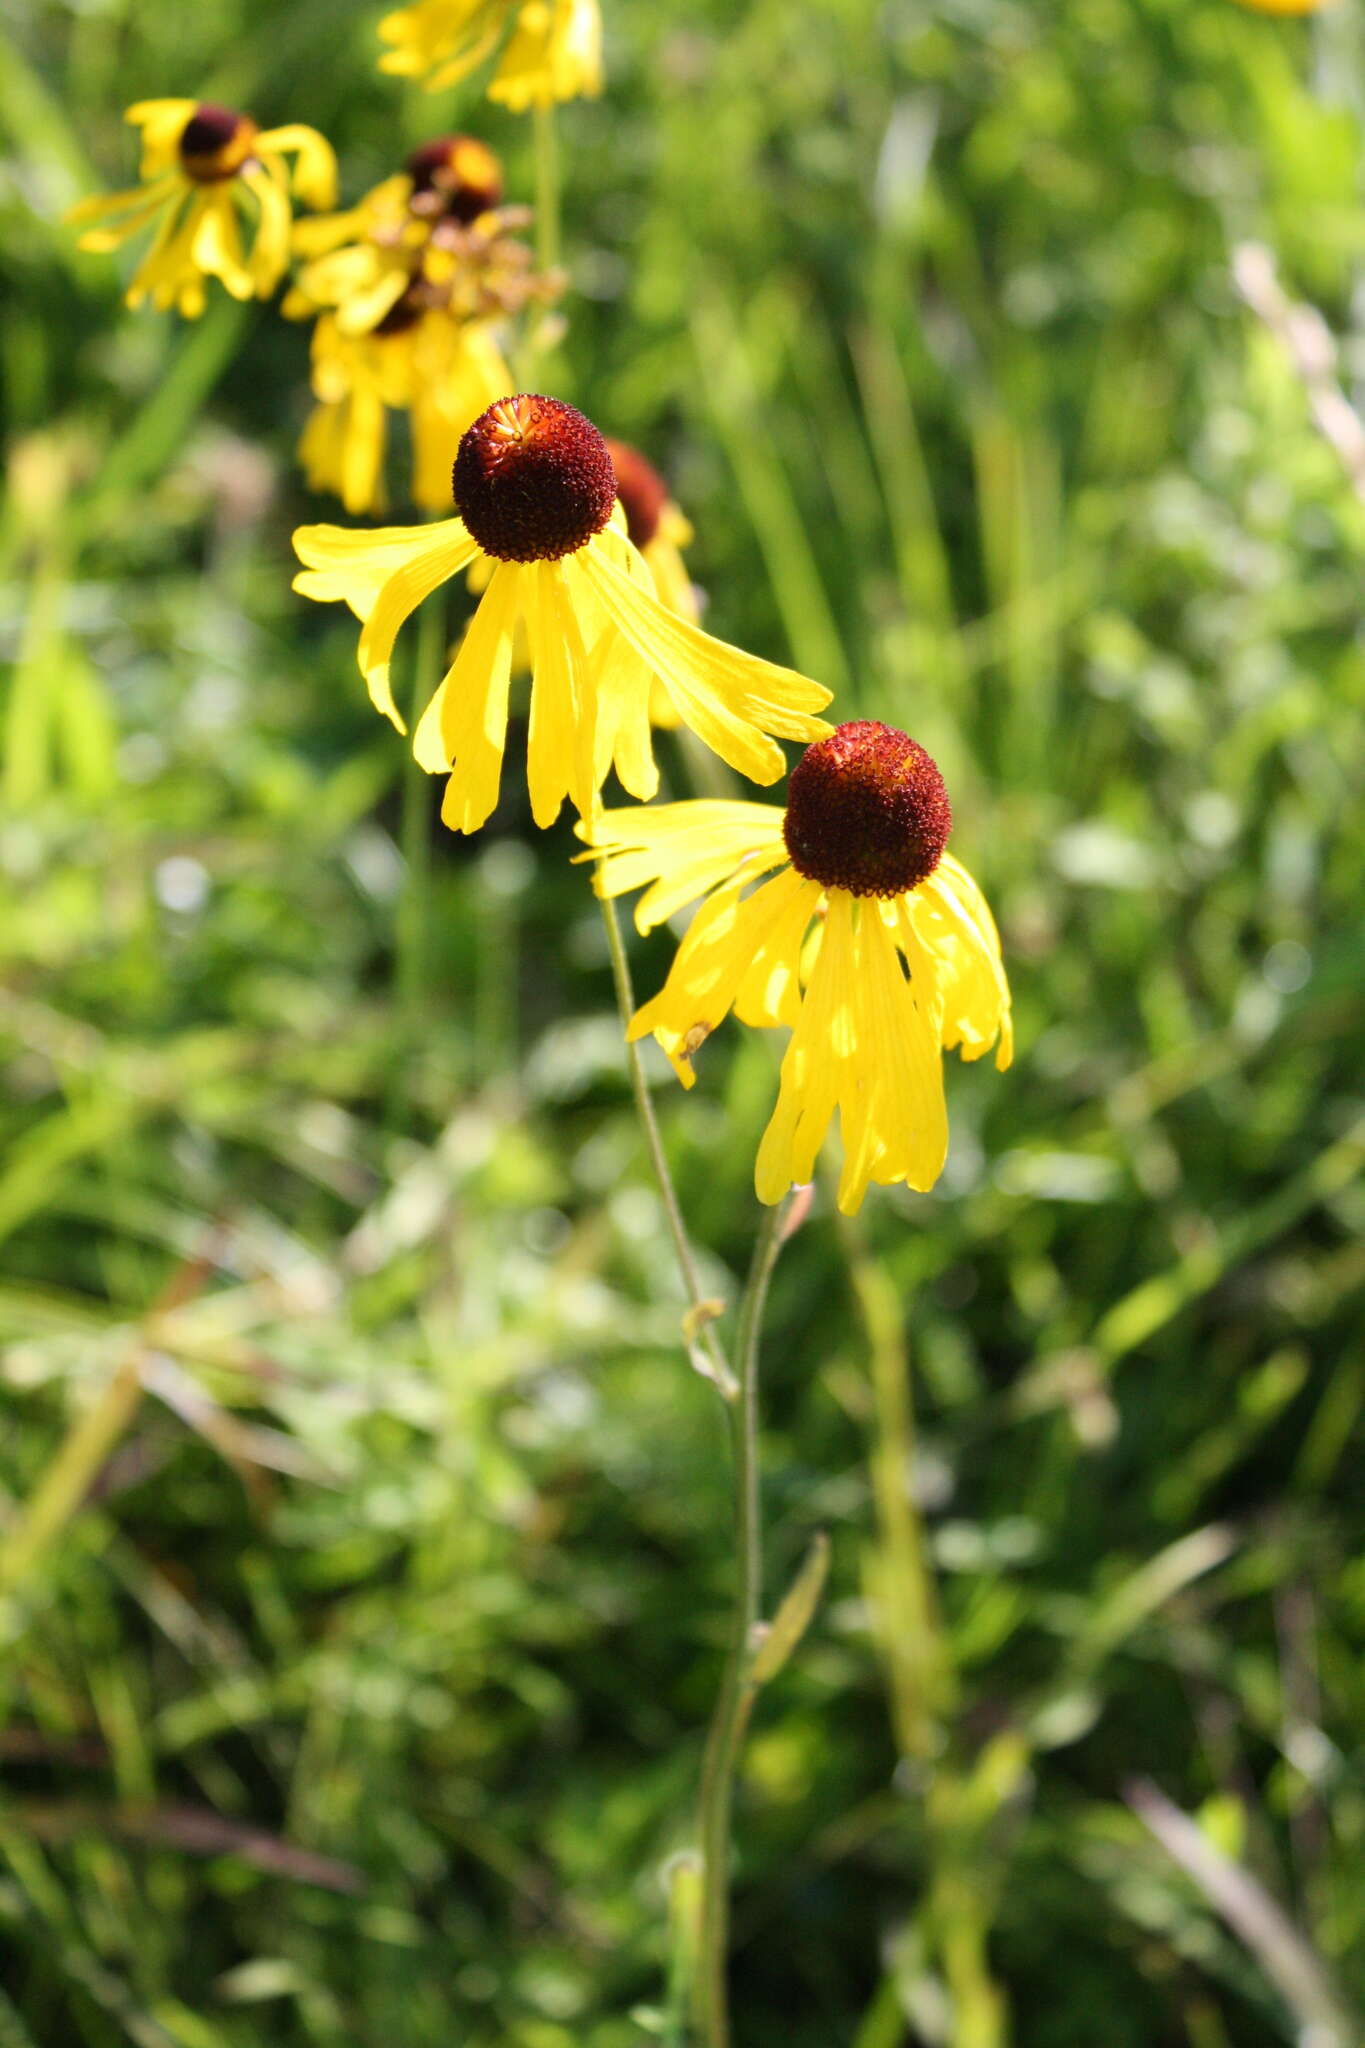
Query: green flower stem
[(738, 1688), (547, 188), (701, 1337)]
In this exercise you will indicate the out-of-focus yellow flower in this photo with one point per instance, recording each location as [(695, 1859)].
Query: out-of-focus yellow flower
[(410, 286), (443, 373), (1286, 6), (554, 51), (205, 170), (536, 494), (871, 942)]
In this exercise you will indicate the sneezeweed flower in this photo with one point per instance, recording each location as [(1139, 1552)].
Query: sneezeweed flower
[(411, 288), (871, 942), (554, 51), (535, 493), (205, 171)]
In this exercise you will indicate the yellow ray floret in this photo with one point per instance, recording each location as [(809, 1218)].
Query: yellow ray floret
[(872, 988), (598, 639), (207, 173), (554, 51)]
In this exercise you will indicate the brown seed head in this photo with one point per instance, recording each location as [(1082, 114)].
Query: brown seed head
[(215, 142), (642, 491), (866, 811), (456, 177), (533, 480)]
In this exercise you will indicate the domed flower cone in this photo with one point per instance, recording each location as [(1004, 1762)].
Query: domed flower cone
[(870, 942)]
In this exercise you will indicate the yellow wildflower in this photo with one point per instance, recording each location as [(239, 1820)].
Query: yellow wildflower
[(410, 286), (871, 942), (554, 51), (535, 493), (205, 169)]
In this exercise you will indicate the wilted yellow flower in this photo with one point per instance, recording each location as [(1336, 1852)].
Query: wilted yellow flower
[(205, 170), (554, 51), (410, 286), (535, 492), (872, 943)]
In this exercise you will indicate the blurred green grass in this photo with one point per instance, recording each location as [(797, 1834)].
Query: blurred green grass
[(362, 1700)]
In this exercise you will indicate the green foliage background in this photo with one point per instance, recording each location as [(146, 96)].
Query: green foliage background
[(361, 1700)]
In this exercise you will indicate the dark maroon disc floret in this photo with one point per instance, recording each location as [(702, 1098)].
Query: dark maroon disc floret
[(867, 811)]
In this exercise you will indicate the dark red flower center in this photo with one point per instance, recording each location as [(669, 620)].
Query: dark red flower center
[(642, 491), (456, 177), (866, 811), (533, 480), (215, 142)]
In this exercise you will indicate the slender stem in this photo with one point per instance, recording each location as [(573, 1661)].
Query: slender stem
[(737, 1690), (547, 188), (701, 1308), (414, 832), (918, 1663)]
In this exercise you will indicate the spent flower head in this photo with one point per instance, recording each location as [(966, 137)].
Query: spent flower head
[(411, 289)]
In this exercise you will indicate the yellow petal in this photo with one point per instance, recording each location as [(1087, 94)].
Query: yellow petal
[(217, 247), (414, 579), (559, 739), (950, 917), (465, 725), (681, 850), (729, 699), (315, 164), (731, 939), (270, 256), (352, 564)]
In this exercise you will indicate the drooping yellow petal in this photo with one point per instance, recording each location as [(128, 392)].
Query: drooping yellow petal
[(268, 185), (122, 213), (352, 564), (681, 851), (423, 571), (731, 700), (950, 918), (866, 1043), (216, 250), (733, 943), (162, 123), (559, 739), (464, 727), (555, 53), (315, 164), (441, 40)]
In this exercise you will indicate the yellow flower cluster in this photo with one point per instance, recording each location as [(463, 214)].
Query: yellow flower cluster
[(409, 290), (871, 943), (841, 917)]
